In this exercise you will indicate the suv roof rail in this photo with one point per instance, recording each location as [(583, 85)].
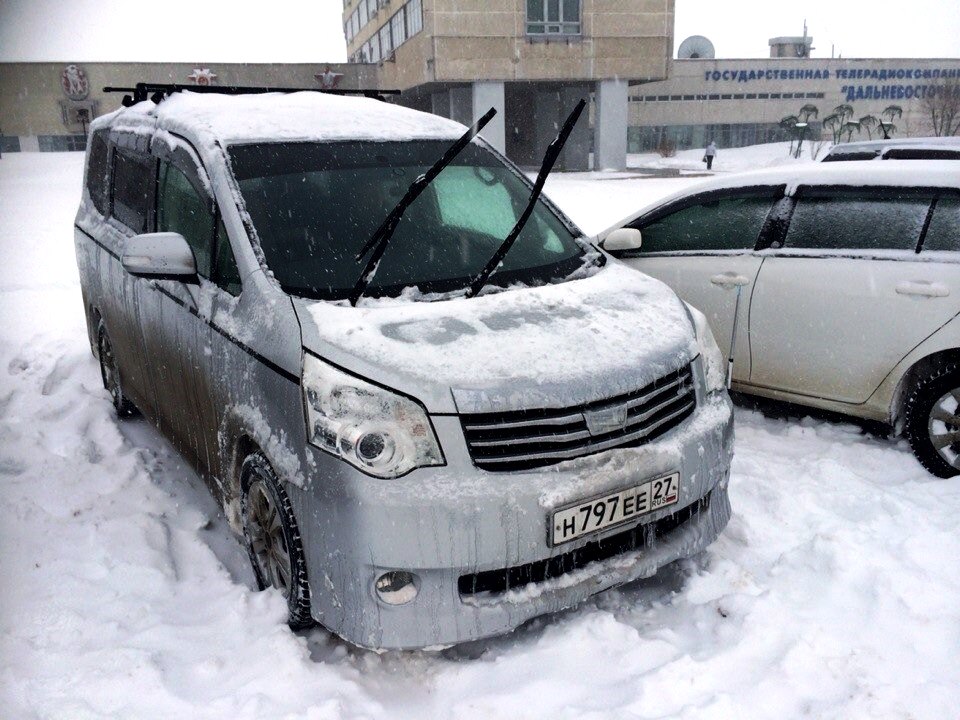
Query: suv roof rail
[(158, 91)]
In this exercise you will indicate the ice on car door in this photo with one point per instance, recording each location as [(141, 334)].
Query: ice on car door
[(847, 297), (703, 248)]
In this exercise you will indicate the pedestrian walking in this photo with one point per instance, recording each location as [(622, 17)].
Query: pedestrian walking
[(709, 154)]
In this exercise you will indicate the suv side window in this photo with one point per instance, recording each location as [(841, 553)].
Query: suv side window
[(724, 223), (98, 170), (181, 208), (944, 230), (226, 274), (133, 177), (857, 219)]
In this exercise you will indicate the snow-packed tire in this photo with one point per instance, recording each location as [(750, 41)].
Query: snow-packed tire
[(110, 375), (932, 421), (272, 538)]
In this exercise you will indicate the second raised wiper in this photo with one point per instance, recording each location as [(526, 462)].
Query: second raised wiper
[(378, 242), (549, 158)]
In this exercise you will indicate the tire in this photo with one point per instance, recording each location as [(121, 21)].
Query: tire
[(272, 538), (932, 421), (110, 375)]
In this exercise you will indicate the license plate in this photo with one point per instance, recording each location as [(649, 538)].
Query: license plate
[(598, 514)]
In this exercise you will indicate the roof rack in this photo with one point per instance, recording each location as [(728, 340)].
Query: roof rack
[(158, 91)]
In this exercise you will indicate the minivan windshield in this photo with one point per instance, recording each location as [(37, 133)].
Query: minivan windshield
[(315, 205)]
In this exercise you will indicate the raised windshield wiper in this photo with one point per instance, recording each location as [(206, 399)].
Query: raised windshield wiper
[(549, 158), (378, 242)]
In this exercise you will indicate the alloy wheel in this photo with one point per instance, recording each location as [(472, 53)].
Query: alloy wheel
[(267, 539), (943, 426)]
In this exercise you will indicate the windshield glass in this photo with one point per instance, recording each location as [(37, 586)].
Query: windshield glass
[(314, 205)]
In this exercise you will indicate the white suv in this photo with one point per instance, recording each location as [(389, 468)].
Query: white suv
[(848, 277)]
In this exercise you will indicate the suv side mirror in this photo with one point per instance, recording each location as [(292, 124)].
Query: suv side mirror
[(162, 256), (622, 239)]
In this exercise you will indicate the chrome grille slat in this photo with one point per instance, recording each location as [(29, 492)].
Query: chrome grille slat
[(509, 440), (593, 447)]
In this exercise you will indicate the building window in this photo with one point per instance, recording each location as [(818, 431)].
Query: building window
[(371, 8), (414, 17), (364, 15), (553, 17), (386, 47), (355, 22), (398, 29), (374, 48)]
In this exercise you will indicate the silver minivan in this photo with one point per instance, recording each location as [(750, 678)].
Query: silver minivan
[(415, 455)]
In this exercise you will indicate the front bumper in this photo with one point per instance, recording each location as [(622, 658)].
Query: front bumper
[(453, 521)]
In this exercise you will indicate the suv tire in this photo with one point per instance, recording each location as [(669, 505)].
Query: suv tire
[(932, 426), (110, 374), (272, 538)]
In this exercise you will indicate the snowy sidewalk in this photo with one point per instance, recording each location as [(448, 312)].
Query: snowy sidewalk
[(833, 593)]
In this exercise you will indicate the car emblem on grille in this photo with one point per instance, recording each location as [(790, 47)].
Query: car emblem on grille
[(607, 420)]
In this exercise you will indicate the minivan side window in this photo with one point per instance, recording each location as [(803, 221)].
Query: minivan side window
[(944, 230), (226, 274), (133, 177), (98, 170), (726, 223), (857, 219), (181, 208)]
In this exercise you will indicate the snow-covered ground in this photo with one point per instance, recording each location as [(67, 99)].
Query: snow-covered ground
[(833, 593)]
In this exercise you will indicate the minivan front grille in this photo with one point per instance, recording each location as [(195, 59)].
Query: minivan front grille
[(524, 439), (635, 538)]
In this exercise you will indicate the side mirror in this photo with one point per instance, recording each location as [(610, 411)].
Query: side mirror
[(162, 256), (622, 239)]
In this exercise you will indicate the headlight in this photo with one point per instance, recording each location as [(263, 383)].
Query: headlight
[(376, 430), (714, 367)]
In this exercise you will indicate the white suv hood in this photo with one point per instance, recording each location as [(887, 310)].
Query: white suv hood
[(546, 347)]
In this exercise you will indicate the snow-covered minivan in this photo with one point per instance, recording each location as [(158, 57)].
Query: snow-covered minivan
[(416, 454)]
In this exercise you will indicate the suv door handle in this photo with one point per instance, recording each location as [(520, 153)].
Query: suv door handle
[(731, 280), (922, 288)]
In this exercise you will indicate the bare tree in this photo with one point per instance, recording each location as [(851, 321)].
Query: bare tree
[(887, 126), (942, 105), (850, 127), (833, 123), (844, 111), (789, 124), (869, 123)]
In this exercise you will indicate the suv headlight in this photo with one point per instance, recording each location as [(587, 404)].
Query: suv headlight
[(714, 367), (378, 431)]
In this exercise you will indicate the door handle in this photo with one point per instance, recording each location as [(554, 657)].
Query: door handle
[(730, 280), (922, 288)]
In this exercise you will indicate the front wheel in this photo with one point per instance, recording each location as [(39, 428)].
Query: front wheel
[(110, 374), (272, 538), (932, 426)]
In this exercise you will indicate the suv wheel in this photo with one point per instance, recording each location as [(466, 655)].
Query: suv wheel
[(110, 374), (272, 538), (932, 412)]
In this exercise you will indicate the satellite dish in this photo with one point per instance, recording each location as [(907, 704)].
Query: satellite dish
[(696, 46)]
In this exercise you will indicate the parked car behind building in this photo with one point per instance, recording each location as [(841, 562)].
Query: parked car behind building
[(849, 285), (426, 467)]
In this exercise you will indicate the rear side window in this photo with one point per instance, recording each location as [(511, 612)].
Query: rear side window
[(944, 230), (132, 188), (98, 169), (731, 223), (857, 220)]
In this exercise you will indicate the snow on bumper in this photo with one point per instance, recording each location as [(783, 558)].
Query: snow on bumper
[(446, 523)]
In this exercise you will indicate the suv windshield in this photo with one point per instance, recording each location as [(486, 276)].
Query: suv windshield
[(315, 205)]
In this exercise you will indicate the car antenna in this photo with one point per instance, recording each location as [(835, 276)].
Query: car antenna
[(549, 158), (378, 241)]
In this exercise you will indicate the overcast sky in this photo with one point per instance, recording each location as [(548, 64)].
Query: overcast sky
[(309, 30)]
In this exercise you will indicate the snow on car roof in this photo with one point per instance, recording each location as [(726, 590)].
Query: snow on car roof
[(273, 117), (890, 173)]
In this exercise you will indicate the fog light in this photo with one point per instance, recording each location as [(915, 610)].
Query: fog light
[(397, 587)]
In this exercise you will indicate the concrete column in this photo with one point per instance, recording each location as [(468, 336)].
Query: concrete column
[(461, 105), (610, 125), (576, 153), (440, 103), (486, 95)]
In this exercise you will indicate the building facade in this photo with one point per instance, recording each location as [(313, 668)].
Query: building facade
[(48, 106), (741, 102), (532, 60)]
